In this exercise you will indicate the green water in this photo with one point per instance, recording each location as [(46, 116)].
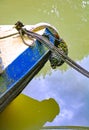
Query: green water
[(69, 88), (70, 17)]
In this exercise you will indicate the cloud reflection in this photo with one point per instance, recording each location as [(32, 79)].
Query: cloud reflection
[(70, 89)]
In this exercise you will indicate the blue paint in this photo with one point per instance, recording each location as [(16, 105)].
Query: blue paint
[(21, 66)]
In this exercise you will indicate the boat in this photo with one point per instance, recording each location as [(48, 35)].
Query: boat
[(21, 62), (24, 51), (22, 59)]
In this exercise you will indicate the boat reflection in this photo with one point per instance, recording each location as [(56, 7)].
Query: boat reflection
[(26, 113)]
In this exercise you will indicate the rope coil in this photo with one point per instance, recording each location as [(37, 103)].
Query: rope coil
[(59, 51)]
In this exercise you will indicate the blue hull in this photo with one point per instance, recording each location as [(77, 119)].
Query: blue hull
[(19, 73)]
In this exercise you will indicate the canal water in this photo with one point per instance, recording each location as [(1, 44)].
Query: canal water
[(69, 88)]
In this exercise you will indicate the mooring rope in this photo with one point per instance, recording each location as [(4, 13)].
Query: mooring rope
[(58, 51)]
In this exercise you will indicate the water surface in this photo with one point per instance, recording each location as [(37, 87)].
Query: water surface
[(69, 88)]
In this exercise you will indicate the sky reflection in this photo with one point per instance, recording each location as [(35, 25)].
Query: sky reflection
[(70, 89)]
